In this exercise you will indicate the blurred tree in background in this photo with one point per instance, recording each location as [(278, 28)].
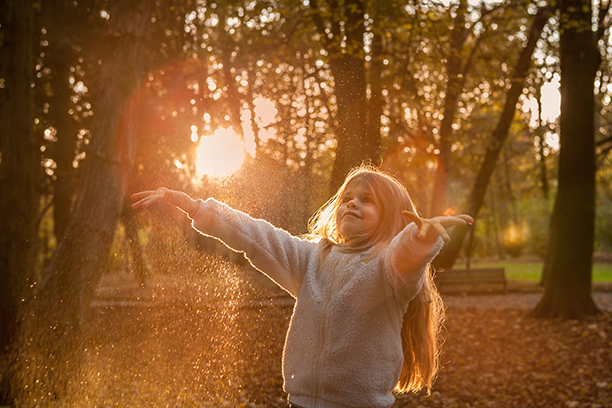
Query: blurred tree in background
[(458, 100), (567, 271), (19, 169)]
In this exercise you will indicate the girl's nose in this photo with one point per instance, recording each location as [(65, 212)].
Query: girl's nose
[(351, 204)]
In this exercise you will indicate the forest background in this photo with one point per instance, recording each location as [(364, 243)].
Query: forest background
[(266, 105)]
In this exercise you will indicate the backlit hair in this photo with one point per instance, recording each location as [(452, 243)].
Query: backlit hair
[(423, 320)]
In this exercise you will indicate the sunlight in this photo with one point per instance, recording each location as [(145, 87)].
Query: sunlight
[(515, 238), (219, 155), (552, 141), (265, 116), (551, 102), (551, 99), (265, 111), (450, 211), (473, 3)]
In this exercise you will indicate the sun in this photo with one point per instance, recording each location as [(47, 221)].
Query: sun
[(220, 154)]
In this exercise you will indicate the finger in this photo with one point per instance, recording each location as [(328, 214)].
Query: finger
[(442, 232), (152, 200), (465, 218), (146, 202), (413, 217), (468, 219), (142, 194), (137, 205), (423, 230), (448, 222)]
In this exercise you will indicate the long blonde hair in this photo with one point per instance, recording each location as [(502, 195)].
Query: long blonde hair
[(422, 326)]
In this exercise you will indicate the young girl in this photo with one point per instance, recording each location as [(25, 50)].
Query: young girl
[(367, 314)]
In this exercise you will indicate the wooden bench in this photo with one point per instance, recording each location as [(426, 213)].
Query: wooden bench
[(472, 277)]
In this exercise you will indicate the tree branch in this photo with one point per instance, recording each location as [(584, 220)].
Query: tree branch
[(602, 25)]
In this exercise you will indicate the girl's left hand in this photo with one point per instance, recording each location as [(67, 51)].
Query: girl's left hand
[(431, 228)]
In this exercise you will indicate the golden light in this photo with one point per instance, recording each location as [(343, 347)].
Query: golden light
[(219, 155), (550, 101), (265, 116), (450, 211), (265, 111), (515, 238)]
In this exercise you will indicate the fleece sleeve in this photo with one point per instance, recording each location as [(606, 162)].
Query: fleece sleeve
[(281, 256), (407, 257)]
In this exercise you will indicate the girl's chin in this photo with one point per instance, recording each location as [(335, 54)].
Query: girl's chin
[(352, 238)]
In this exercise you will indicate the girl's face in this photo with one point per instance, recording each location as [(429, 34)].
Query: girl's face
[(359, 211)]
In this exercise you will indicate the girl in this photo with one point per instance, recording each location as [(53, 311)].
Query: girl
[(367, 314)]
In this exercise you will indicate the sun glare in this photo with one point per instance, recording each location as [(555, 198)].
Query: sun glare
[(265, 115), (550, 100), (219, 155)]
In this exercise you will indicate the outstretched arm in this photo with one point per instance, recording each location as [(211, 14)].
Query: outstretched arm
[(413, 248), (283, 257), (144, 199)]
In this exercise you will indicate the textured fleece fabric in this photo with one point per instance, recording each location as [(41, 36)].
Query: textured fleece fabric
[(344, 340)]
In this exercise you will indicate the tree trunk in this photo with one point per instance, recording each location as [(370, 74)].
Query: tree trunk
[(52, 345), (65, 23), (348, 70), (439, 198), (447, 257), (349, 89), (138, 264), (227, 46), (567, 292), (540, 143), (64, 149), (19, 171), (344, 44), (376, 101)]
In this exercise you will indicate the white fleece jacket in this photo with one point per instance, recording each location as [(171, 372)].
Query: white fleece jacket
[(344, 341)]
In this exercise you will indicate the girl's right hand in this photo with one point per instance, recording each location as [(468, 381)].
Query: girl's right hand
[(145, 199)]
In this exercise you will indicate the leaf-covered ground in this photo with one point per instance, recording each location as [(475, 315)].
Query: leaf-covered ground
[(185, 352), (500, 358)]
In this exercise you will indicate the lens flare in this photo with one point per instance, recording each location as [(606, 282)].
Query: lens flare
[(219, 155)]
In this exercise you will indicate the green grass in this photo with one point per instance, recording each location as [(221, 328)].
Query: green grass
[(531, 271)]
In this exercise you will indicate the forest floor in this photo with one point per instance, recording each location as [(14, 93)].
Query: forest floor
[(166, 345)]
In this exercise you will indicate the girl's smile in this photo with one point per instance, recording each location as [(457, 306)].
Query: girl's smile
[(359, 212)]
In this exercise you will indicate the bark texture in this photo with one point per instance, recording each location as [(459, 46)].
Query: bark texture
[(567, 292), (342, 36), (51, 347), (19, 170)]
